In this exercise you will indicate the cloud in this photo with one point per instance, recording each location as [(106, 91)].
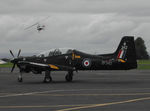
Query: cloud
[(131, 7), (90, 25)]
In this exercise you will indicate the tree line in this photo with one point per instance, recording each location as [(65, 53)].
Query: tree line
[(141, 51)]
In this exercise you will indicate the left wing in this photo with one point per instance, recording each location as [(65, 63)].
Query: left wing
[(51, 66)]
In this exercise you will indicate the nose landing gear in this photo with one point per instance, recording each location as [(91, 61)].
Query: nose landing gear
[(20, 77)]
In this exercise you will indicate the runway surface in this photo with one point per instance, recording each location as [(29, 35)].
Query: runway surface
[(89, 91)]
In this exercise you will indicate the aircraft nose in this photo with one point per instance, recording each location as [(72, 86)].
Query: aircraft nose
[(14, 61)]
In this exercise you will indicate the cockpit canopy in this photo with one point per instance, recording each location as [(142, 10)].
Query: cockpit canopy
[(55, 52)]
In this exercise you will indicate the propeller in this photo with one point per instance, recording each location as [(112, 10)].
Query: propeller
[(13, 67), (12, 54), (15, 60), (19, 53)]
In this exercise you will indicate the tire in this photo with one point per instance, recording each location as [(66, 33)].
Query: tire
[(20, 79), (68, 78), (47, 80)]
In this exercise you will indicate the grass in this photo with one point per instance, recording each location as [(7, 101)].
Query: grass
[(6, 65), (142, 64), (143, 67)]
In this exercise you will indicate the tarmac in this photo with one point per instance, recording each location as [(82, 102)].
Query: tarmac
[(89, 91)]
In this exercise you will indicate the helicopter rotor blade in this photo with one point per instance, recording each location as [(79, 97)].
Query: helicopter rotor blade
[(37, 23), (12, 53), (31, 26), (44, 19)]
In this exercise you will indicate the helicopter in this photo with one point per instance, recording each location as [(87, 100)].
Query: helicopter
[(39, 26)]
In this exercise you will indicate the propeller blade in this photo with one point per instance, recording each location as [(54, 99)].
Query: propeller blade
[(13, 68), (19, 53), (12, 53)]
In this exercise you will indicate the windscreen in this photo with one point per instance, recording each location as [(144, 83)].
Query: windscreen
[(55, 52)]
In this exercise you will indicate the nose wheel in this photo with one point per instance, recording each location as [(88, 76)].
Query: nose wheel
[(20, 79), (69, 76)]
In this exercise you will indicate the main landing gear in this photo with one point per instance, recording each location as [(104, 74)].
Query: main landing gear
[(47, 78), (69, 76)]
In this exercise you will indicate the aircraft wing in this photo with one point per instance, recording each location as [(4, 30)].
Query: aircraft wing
[(42, 65)]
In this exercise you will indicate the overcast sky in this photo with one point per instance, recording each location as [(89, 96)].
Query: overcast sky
[(95, 26)]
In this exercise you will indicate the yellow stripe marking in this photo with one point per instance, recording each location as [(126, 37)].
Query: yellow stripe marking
[(128, 94), (105, 104), (74, 56), (121, 60), (77, 56), (39, 106), (53, 66), (57, 95), (77, 107)]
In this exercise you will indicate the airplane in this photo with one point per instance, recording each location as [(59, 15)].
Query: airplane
[(70, 60)]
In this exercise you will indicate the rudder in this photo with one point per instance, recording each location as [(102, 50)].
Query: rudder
[(126, 52)]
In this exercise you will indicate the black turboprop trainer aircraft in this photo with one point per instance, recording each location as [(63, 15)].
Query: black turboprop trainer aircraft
[(123, 58)]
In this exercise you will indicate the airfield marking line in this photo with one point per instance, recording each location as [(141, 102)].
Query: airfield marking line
[(5, 93), (108, 78), (78, 106), (39, 106), (54, 91), (117, 94), (42, 94), (105, 104), (115, 79), (30, 93)]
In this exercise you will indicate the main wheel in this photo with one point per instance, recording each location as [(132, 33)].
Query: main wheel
[(20, 79), (47, 79), (68, 78)]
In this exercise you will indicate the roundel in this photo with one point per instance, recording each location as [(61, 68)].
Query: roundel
[(86, 63)]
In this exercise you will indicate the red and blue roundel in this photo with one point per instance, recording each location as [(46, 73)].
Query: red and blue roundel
[(86, 62)]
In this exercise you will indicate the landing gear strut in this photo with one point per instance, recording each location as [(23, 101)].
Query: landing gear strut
[(69, 76), (47, 78), (20, 77)]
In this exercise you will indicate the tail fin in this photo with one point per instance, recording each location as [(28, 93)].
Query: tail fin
[(126, 52)]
